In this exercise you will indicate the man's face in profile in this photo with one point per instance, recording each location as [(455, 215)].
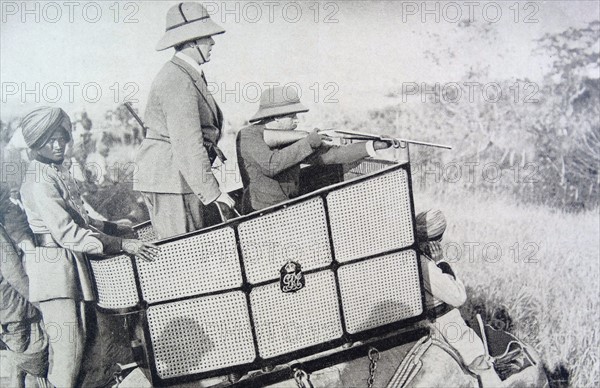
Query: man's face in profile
[(288, 122)]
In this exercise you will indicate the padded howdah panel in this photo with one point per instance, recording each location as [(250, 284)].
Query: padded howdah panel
[(115, 282), (371, 217), (145, 232), (200, 334), (380, 291), (291, 280), (191, 266), (286, 322), (297, 233)]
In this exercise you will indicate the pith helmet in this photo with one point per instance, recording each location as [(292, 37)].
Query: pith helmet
[(185, 22), (278, 101)]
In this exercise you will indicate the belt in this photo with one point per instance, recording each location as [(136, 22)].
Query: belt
[(439, 310), (207, 143), (45, 240)]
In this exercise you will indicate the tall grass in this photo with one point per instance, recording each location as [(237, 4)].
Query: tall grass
[(540, 265)]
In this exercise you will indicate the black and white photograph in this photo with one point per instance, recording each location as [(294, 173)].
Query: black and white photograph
[(314, 193)]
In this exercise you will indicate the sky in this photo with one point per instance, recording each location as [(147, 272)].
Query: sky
[(342, 56)]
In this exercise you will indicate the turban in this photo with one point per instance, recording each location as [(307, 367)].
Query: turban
[(430, 225), (38, 125)]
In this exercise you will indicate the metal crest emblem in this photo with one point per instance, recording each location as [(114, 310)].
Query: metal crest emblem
[(291, 277)]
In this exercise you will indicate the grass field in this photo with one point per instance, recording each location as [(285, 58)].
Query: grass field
[(541, 265)]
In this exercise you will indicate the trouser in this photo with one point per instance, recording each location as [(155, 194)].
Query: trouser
[(64, 322), (27, 346), (173, 214)]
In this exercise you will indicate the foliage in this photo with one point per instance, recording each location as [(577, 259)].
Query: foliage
[(538, 142)]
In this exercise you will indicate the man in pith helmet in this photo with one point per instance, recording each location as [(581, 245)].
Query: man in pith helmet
[(184, 125), (271, 175)]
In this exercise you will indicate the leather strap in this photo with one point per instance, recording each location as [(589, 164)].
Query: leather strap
[(207, 144), (439, 310)]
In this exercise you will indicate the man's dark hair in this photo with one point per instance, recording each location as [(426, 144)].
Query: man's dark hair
[(180, 46)]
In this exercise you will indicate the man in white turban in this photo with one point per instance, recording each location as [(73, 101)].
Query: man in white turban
[(444, 293)]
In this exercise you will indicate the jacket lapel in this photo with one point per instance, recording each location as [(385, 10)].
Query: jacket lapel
[(200, 86)]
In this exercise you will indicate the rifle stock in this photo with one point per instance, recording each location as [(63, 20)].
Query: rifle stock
[(277, 138)]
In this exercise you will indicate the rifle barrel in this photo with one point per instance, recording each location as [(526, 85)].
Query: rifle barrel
[(355, 135), (135, 115), (425, 143)]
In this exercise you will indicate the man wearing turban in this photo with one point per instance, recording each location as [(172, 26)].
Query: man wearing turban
[(444, 293), (64, 233)]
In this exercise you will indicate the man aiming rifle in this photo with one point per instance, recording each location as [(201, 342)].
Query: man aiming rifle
[(271, 172)]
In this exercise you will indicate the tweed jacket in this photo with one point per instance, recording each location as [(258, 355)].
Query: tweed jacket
[(54, 207), (271, 176), (180, 115)]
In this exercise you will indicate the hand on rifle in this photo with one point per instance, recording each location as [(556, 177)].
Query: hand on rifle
[(381, 145), (316, 139)]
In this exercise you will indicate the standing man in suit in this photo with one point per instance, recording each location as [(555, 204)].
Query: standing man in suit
[(184, 125), (271, 175)]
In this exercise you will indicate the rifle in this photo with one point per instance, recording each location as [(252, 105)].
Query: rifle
[(276, 138), (208, 144), (136, 117)]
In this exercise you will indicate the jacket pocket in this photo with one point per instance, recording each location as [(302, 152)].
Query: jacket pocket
[(52, 274)]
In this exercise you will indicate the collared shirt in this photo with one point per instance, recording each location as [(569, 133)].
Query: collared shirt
[(190, 62)]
